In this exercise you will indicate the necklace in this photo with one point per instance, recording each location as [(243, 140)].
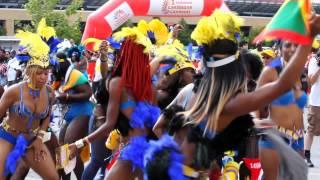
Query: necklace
[(34, 92)]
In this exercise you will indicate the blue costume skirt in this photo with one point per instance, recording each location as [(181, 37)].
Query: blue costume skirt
[(297, 145), (78, 109), (134, 151)]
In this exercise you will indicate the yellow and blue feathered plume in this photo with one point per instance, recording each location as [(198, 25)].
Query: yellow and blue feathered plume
[(34, 50), (97, 42), (136, 34), (48, 35), (45, 31), (220, 25)]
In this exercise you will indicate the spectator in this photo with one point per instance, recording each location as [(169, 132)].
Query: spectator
[(3, 68), (14, 71), (267, 56), (314, 106)]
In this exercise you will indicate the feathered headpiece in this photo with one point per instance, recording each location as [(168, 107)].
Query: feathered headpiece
[(97, 42), (34, 50), (176, 58), (45, 31), (160, 31), (138, 36), (220, 25), (48, 35)]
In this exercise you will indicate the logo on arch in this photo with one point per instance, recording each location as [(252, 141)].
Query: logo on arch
[(119, 15)]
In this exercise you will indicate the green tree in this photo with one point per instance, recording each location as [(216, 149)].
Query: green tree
[(254, 32), (185, 34), (65, 28), (2, 31)]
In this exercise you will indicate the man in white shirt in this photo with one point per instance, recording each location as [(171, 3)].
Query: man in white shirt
[(314, 105), (14, 71)]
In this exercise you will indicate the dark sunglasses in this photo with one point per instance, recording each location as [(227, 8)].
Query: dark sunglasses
[(266, 57)]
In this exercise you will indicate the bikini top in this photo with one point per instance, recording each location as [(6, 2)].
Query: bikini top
[(22, 110), (287, 98)]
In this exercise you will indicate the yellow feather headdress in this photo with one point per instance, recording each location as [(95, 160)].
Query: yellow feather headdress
[(45, 31), (176, 52), (160, 31), (35, 47), (135, 33), (219, 25)]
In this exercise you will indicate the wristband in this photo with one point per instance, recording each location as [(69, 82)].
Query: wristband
[(79, 144)]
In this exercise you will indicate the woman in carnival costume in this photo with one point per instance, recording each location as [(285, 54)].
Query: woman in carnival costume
[(219, 116), (99, 153), (286, 112), (130, 108), (28, 103), (73, 92), (177, 70)]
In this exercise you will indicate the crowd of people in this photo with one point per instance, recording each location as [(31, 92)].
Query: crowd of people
[(138, 106)]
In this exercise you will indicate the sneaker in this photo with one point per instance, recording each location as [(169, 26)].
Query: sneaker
[(309, 163)]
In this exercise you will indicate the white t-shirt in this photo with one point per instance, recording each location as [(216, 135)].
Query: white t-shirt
[(97, 72), (13, 66), (314, 98)]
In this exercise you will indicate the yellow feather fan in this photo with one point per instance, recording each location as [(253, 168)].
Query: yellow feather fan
[(37, 49), (160, 30), (175, 51), (135, 33), (97, 43), (220, 25), (45, 31)]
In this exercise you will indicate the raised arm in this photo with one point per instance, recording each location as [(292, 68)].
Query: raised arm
[(247, 102), (103, 56)]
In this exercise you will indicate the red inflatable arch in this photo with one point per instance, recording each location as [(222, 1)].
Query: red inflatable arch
[(114, 13)]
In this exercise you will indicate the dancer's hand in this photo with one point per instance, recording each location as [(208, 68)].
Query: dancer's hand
[(314, 25), (62, 97), (103, 50), (176, 29), (73, 150), (38, 149)]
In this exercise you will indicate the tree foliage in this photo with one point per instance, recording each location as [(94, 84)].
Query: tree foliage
[(60, 20), (185, 34)]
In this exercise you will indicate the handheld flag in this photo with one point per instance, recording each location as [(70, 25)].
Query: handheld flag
[(289, 23)]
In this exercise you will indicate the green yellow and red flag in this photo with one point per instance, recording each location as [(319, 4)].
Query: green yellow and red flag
[(289, 23)]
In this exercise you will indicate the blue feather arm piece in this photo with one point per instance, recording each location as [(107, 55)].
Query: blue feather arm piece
[(15, 155), (144, 115), (135, 151), (166, 142)]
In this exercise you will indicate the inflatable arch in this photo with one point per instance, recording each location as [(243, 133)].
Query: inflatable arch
[(114, 13)]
